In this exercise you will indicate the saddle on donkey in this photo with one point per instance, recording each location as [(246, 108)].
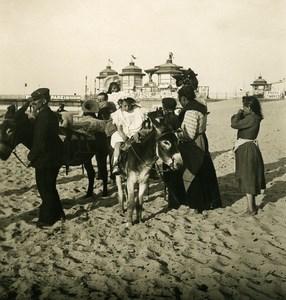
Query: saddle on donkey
[(80, 140)]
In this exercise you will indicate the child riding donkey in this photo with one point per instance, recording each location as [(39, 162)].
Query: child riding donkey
[(128, 120), (141, 144)]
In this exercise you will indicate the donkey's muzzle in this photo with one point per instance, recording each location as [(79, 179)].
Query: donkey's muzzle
[(5, 151), (177, 162)]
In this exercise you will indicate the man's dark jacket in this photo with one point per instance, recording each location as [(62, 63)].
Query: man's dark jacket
[(47, 147)]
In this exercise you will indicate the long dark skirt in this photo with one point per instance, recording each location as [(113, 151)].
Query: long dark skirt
[(249, 169), (175, 185), (203, 192)]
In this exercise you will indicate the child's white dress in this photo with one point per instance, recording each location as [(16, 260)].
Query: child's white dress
[(131, 123)]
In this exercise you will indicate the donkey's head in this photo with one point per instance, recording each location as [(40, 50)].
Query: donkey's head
[(15, 131), (167, 145)]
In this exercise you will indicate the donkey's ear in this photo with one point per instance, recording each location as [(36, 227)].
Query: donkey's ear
[(153, 120), (24, 106), (158, 127)]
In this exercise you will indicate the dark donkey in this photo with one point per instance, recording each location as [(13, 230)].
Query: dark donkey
[(138, 160), (79, 150)]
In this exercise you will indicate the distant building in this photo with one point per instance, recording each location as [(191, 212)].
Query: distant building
[(103, 74), (262, 89), (132, 78), (259, 86), (164, 73)]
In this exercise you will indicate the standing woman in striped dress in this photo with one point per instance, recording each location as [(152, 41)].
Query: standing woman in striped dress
[(249, 166), (202, 189)]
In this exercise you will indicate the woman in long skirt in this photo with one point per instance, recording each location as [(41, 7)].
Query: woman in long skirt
[(202, 190), (249, 166)]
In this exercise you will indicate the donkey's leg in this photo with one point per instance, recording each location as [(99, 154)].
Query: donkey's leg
[(120, 193), (139, 205), (91, 175), (131, 200), (101, 159)]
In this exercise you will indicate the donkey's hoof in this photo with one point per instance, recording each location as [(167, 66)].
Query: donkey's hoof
[(128, 224), (88, 195)]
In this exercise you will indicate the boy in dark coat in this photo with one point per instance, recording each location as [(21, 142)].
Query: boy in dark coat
[(173, 179)]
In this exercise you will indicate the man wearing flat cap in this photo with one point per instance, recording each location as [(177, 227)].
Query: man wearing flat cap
[(46, 156)]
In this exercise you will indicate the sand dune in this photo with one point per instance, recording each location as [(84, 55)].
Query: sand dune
[(220, 254)]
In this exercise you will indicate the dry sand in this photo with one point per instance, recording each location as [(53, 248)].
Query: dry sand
[(175, 254)]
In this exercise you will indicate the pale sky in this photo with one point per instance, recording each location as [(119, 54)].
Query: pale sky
[(56, 43)]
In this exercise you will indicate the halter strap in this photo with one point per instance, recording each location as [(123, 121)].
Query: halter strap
[(20, 160)]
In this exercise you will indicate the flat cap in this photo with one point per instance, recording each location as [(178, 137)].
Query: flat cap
[(169, 103), (41, 93)]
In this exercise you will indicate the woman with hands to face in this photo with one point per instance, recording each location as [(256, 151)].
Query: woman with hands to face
[(249, 165)]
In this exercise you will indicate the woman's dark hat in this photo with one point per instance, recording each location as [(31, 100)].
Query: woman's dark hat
[(41, 93)]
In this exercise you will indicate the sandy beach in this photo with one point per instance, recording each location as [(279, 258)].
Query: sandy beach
[(176, 254)]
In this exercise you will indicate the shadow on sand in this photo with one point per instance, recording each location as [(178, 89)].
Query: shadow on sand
[(228, 188), (18, 192), (218, 153), (93, 202), (230, 192)]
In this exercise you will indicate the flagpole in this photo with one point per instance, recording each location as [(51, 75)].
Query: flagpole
[(25, 90), (132, 57)]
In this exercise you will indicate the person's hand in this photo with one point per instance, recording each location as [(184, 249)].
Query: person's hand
[(179, 130), (136, 137), (30, 100), (179, 133), (28, 163)]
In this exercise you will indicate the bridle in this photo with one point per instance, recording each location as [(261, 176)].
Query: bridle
[(20, 160), (148, 165), (12, 144)]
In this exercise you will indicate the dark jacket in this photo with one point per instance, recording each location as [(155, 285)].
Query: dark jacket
[(47, 147), (248, 125), (172, 120), (192, 105)]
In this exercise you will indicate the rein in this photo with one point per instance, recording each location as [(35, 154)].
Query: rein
[(137, 156), (20, 160), (147, 165)]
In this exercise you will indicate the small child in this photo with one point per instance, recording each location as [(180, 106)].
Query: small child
[(115, 94)]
